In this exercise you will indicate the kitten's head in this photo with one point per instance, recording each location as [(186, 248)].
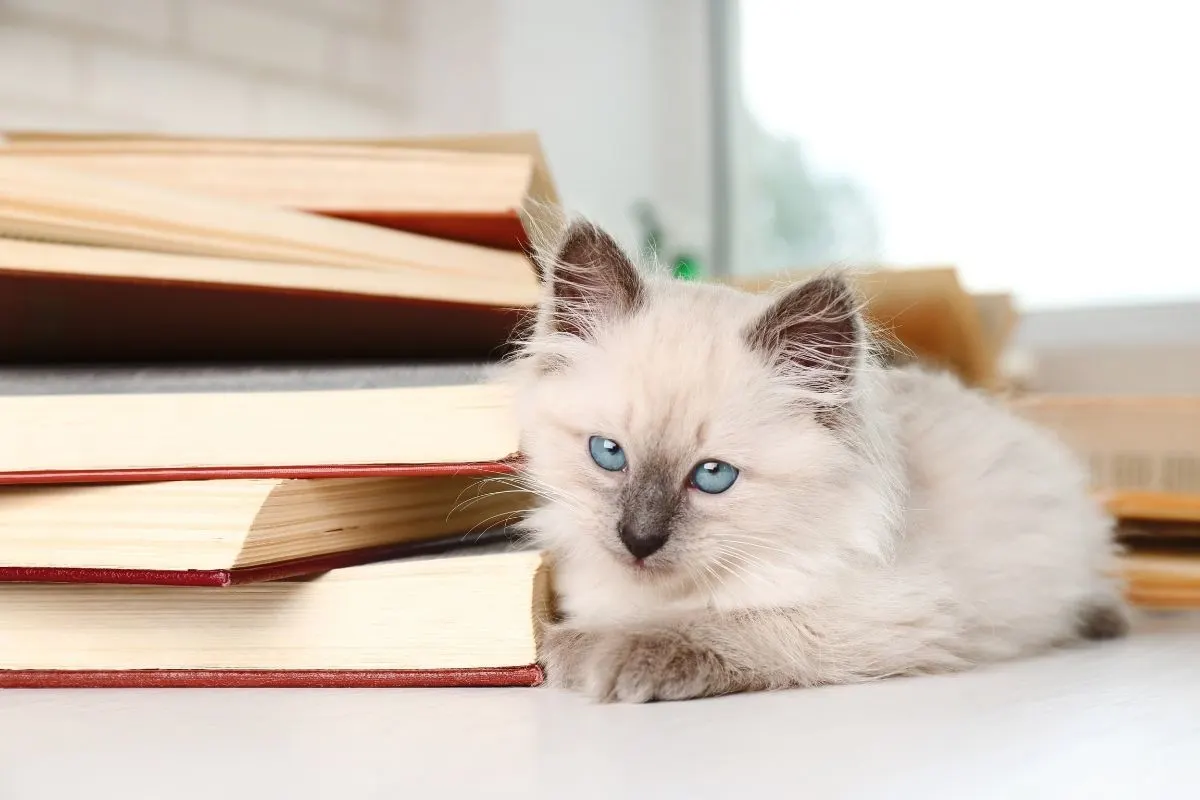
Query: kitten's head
[(685, 433)]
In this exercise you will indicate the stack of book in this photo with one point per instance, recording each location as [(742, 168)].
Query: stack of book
[(1144, 454), (248, 433)]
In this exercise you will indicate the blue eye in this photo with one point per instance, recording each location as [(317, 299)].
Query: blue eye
[(714, 477), (607, 454)]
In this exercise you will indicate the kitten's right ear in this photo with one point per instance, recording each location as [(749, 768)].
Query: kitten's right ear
[(589, 279)]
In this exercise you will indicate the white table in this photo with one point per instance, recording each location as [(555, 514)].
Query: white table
[(1115, 720)]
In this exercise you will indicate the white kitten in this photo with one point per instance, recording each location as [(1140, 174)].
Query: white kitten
[(738, 496)]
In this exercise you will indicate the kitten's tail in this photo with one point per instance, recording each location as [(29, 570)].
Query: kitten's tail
[(1103, 619)]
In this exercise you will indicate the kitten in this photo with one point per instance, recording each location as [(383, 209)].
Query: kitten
[(738, 496)]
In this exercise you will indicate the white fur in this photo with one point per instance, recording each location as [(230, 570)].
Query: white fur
[(931, 530)]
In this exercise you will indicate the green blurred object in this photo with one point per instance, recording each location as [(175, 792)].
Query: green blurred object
[(686, 268)]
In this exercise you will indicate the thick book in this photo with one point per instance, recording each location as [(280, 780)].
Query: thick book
[(140, 424), (1157, 506), (468, 618), (468, 188), (1160, 561), (64, 303), (1162, 578), (235, 531)]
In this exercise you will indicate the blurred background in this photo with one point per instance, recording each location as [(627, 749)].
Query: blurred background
[(1046, 149)]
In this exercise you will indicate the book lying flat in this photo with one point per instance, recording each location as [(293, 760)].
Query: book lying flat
[(1138, 532), (73, 303), (473, 188), (1162, 578), (89, 425), (227, 532), (468, 618), (1161, 506)]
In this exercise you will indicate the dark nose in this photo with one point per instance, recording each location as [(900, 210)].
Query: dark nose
[(641, 543)]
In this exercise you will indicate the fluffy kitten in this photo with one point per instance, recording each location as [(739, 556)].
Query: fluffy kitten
[(739, 497)]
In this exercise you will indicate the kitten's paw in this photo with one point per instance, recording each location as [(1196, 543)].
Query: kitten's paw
[(563, 653), (660, 665)]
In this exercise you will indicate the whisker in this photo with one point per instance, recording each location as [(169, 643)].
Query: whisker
[(473, 500), (758, 543), (508, 516), (733, 563)]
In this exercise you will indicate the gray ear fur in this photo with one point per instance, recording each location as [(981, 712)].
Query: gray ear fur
[(588, 280), (813, 330)]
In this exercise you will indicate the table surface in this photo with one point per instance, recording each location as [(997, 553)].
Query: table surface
[(1116, 719)]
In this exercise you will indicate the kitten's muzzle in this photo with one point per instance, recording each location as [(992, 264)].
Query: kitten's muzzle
[(641, 542), (650, 503)]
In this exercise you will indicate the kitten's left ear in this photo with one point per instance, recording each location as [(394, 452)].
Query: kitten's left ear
[(814, 330), (589, 279)]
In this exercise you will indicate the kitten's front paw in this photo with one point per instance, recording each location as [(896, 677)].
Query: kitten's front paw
[(564, 652), (658, 665)]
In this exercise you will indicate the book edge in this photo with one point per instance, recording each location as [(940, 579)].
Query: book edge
[(527, 675), (470, 469)]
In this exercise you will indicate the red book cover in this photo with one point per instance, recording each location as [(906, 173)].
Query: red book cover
[(476, 469), (503, 231), (525, 675)]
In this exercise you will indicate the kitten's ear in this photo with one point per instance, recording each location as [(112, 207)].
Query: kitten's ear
[(589, 279), (813, 330)]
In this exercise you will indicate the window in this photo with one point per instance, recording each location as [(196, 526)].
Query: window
[(1047, 147)]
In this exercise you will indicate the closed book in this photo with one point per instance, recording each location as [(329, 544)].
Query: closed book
[(1162, 577), (468, 618), (83, 424)]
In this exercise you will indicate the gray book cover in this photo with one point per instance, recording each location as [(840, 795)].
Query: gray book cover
[(155, 379)]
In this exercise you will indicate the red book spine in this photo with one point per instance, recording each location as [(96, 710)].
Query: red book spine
[(528, 675), (466, 470)]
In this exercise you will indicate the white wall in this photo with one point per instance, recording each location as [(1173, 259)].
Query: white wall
[(205, 66), (583, 79), (1131, 349), (616, 88)]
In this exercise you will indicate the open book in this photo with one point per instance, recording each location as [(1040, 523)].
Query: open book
[(924, 313), (75, 303), (233, 531), (101, 268), (469, 188)]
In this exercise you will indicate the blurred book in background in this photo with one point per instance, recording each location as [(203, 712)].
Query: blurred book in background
[(1144, 456)]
